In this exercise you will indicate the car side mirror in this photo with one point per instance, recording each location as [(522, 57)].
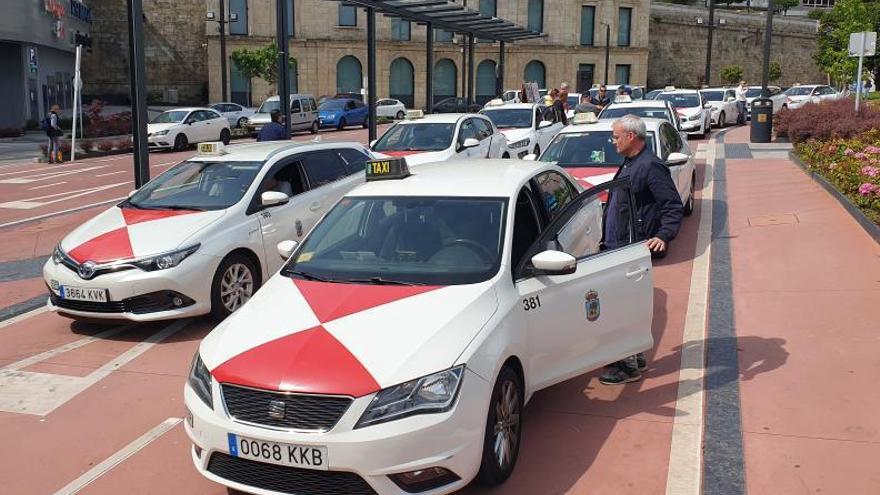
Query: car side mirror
[(677, 159), (273, 198), (544, 124), (707, 106), (470, 143), (530, 157), (286, 248), (131, 193), (554, 263), (373, 143)]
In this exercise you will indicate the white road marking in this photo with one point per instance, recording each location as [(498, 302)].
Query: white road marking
[(43, 356), (115, 173), (26, 392), (686, 451), (27, 179), (31, 203), (60, 212), (24, 316), (44, 186), (121, 455)]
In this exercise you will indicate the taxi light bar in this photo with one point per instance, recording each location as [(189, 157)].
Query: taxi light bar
[(212, 148), (394, 168), (669, 88), (497, 102), (623, 99), (584, 118), (414, 114)]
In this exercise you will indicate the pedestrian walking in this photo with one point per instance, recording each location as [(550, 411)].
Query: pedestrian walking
[(274, 131), (741, 103), (657, 209), (52, 127)]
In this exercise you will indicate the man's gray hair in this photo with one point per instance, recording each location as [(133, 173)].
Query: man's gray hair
[(634, 124)]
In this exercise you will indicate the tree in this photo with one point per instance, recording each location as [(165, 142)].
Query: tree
[(835, 26), (775, 71), (732, 74), (784, 5), (261, 62)]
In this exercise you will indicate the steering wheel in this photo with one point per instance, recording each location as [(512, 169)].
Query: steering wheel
[(474, 246)]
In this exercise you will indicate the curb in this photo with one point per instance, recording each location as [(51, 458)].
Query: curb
[(23, 307), (871, 228)]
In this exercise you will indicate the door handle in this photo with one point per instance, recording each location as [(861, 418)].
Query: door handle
[(636, 272), (315, 206)]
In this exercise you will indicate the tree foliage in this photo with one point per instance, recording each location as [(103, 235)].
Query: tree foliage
[(732, 74), (784, 5), (835, 26), (775, 71), (261, 62)]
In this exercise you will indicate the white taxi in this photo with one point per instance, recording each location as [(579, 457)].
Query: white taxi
[(585, 150), (645, 109), (723, 102), (523, 126), (394, 353), (178, 128), (200, 237), (693, 111), (800, 95), (438, 137)]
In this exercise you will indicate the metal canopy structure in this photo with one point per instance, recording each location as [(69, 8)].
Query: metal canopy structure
[(436, 14)]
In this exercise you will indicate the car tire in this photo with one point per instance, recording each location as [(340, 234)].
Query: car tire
[(506, 155), (501, 449), (238, 276), (180, 142), (240, 123), (400, 115), (537, 151), (340, 125), (225, 136), (722, 120), (689, 206), (315, 127)]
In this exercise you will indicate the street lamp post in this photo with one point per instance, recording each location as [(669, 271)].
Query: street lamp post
[(768, 37), (607, 52), (711, 26), (233, 17)]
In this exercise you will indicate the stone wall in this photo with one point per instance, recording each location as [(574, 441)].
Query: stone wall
[(175, 51), (678, 47)]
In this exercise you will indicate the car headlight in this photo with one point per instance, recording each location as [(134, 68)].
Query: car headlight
[(58, 255), (522, 143), (695, 117), (200, 380), (165, 260), (429, 394), (160, 133)]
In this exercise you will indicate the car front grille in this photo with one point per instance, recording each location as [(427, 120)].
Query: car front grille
[(299, 411), (147, 303), (286, 479)]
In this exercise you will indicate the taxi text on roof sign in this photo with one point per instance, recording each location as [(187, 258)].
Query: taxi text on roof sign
[(394, 168), (212, 148)]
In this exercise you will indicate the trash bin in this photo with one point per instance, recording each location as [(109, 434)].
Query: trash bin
[(762, 120)]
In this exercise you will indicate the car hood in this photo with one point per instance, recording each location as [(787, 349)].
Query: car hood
[(589, 177), (125, 233), (151, 128), (346, 339), (688, 112), (514, 135), (417, 157), (716, 105)]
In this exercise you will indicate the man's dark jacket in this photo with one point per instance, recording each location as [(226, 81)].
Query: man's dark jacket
[(658, 208), (273, 131)]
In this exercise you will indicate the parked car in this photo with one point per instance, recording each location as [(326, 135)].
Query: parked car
[(523, 126), (236, 114), (455, 105), (776, 95), (723, 102), (303, 114), (177, 128), (638, 92), (646, 109), (513, 95), (693, 111), (342, 112), (391, 108), (798, 96)]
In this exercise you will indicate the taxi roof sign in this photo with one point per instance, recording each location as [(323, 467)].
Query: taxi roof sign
[(212, 148), (669, 88), (387, 169), (414, 114), (584, 118), (497, 102), (623, 99)]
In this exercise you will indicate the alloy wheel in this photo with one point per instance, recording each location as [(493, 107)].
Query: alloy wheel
[(236, 287), (507, 424)]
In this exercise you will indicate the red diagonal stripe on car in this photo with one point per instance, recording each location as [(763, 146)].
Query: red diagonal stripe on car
[(134, 216), (311, 361), (331, 301), (398, 154), (110, 246)]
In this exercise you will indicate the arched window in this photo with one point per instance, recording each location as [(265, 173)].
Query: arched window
[(445, 79), (486, 81), (535, 72), (349, 76), (400, 84)]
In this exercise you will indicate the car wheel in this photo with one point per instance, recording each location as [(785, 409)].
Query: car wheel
[(722, 120), (240, 123), (689, 206), (503, 429), (505, 155), (315, 128), (234, 283), (180, 142), (400, 115), (340, 125), (225, 136), (537, 151)]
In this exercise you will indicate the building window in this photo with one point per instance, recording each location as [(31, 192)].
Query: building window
[(536, 15), (290, 18), (442, 36), (400, 30), (624, 18), (348, 75), (240, 85), (621, 74), (239, 8), (401, 84), (588, 24), (445, 79), (486, 81), (585, 77), (489, 7), (536, 73), (347, 15)]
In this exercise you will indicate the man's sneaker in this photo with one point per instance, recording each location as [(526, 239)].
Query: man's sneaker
[(641, 362), (619, 375)]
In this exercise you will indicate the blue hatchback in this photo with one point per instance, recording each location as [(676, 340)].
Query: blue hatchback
[(342, 112)]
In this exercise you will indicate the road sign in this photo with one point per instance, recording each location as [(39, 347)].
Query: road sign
[(868, 49)]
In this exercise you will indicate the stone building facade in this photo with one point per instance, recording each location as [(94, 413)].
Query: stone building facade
[(678, 47), (331, 56)]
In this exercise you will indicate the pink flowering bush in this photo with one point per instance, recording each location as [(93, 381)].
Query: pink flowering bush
[(851, 164)]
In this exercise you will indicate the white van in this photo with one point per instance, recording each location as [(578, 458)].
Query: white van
[(303, 114)]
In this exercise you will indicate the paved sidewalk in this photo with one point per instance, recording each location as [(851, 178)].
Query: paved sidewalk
[(804, 292)]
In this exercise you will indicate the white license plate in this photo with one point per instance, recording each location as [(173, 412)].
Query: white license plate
[(283, 454), (82, 294)]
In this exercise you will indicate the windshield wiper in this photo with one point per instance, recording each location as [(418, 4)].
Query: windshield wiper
[(378, 281), (176, 207), (305, 275)]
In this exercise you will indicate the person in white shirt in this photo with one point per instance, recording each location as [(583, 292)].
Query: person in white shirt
[(741, 103)]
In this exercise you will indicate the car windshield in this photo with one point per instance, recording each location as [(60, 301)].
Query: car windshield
[(416, 137), (405, 241), (713, 95), (798, 91), (270, 105), (652, 95), (196, 185), (681, 100), (511, 118), (643, 112), (753, 92), (332, 105), (587, 149), (170, 117)]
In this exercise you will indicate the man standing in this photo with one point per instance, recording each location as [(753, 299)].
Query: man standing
[(273, 131), (601, 100), (741, 103), (52, 128), (586, 105), (657, 211)]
